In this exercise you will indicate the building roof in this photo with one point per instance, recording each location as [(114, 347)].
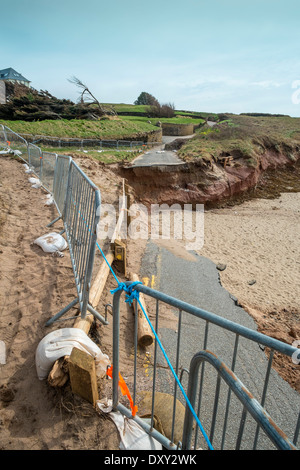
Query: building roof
[(11, 74)]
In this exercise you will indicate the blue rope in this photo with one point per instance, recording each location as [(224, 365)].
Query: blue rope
[(130, 296), (134, 294), (176, 378)]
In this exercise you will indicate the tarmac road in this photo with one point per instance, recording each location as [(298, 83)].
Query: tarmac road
[(159, 156), (197, 282)]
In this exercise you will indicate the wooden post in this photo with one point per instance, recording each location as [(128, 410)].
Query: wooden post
[(128, 200), (120, 256), (145, 335), (83, 377)]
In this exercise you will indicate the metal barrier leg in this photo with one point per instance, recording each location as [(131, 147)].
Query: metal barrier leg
[(97, 315), (62, 312), (53, 221)]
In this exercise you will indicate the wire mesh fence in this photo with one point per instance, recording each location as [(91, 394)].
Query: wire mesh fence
[(35, 159), (82, 214), (3, 140), (17, 142), (60, 182), (48, 170), (77, 201)]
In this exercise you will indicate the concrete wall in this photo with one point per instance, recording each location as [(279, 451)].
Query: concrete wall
[(177, 129), (153, 136), (2, 92)]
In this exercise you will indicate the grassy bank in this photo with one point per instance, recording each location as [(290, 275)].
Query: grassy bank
[(121, 127), (175, 120), (84, 129), (244, 137)]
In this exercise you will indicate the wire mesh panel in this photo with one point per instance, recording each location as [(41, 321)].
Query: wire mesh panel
[(60, 183), (3, 140), (35, 159), (16, 142), (81, 217), (48, 170)]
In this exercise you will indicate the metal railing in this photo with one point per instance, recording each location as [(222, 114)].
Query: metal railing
[(77, 200), (15, 141), (89, 143), (221, 400)]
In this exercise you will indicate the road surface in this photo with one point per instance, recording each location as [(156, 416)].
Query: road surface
[(159, 156), (197, 282)]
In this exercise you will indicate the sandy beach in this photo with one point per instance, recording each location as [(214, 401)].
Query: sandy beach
[(257, 241)]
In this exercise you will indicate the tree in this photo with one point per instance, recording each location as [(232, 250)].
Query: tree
[(146, 99), (87, 97), (166, 110)]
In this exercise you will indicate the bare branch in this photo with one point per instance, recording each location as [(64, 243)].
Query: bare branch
[(86, 94)]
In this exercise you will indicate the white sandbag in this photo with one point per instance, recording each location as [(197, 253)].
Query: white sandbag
[(26, 167), (35, 182), (49, 200), (2, 352), (132, 435), (59, 343), (51, 243), (16, 152)]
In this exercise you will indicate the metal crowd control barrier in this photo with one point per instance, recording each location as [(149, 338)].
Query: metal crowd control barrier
[(80, 215), (3, 139), (17, 142), (35, 159), (60, 184), (77, 200), (49, 164), (224, 407)]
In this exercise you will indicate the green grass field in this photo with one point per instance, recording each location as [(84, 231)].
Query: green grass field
[(122, 127), (175, 120), (82, 129)]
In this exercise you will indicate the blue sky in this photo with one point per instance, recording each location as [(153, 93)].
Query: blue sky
[(215, 56)]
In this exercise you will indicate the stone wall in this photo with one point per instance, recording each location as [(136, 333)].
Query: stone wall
[(2, 92), (153, 136), (177, 129)]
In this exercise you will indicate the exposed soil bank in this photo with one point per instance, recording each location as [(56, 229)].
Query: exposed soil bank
[(214, 184)]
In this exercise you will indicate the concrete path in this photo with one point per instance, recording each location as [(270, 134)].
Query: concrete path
[(159, 156)]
